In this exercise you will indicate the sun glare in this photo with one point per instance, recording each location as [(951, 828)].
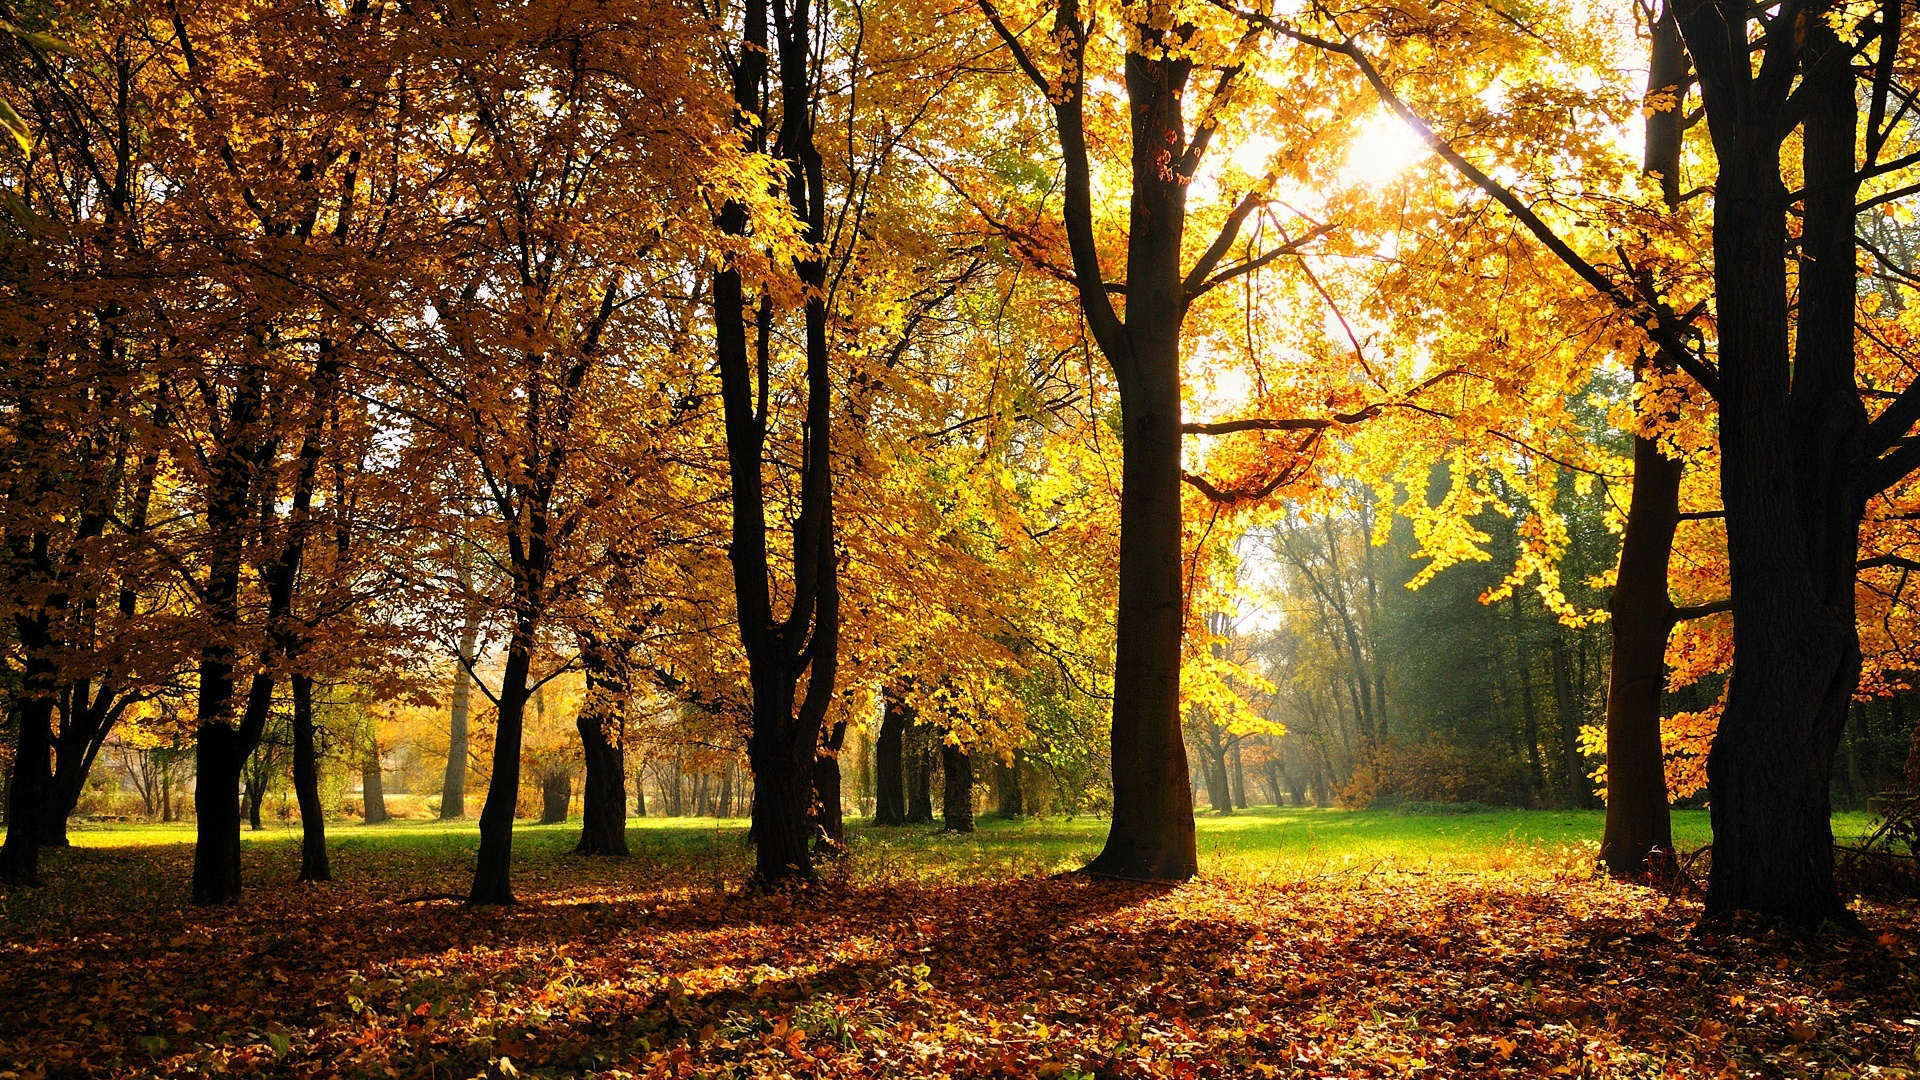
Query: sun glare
[(1384, 148)]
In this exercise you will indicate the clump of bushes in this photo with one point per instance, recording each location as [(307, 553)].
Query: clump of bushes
[(1433, 774)]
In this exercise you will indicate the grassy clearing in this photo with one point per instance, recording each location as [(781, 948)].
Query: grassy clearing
[(1264, 844)]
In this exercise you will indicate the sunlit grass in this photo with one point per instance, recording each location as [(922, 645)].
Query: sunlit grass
[(1260, 844)]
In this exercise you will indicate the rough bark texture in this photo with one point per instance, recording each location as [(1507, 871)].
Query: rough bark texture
[(956, 802), (306, 785), (890, 781), (1793, 439), (603, 805)]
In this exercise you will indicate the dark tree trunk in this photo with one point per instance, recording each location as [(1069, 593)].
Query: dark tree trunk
[(919, 751), (306, 785), (492, 871), (1009, 799), (1795, 468), (1573, 775), (1213, 768), (804, 643), (453, 789), (27, 790), (890, 782), (1151, 834), (556, 793), (220, 753), (253, 784), (603, 805), (956, 803), (639, 793), (830, 826), (1639, 824)]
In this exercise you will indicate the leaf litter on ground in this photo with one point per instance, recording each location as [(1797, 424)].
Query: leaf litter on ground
[(621, 969)]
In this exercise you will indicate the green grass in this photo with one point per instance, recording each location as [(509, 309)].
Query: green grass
[(1261, 844)]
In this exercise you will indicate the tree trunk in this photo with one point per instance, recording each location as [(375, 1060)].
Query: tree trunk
[(453, 789), (306, 785), (556, 793), (603, 804), (373, 792), (1238, 775), (639, 791), (1639, 824), (956, 804), (1791, 436), (27, 790), (492, 881), (919, 751), (254, 791), (1573, 776), (780, 650), (219, 755), (830, 819), (890, 782), (1009, 799), (1151, 835)]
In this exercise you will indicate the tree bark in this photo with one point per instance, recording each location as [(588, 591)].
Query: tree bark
[(492, 880), (890, 782), (27, 790), (1639, 824), (919, 752), (956, 804), (1009, 798), (830, 818), (804, 643), (373, 792), (306, 785), (556, 795), (603, 809)]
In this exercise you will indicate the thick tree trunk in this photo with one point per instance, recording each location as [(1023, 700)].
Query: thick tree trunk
[(782, 818), (453, 789), (890, 782), (219, 755), (27, 792), (1238, 775), (956, 803), (373, 792), (603, 804), (1639, 825), (306, 785), (556, 795), (492, 880), (1793, 435)]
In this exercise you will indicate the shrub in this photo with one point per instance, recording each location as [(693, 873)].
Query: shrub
[(1431, 773)]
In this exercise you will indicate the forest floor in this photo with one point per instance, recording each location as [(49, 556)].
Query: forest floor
[(1366, 944)]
